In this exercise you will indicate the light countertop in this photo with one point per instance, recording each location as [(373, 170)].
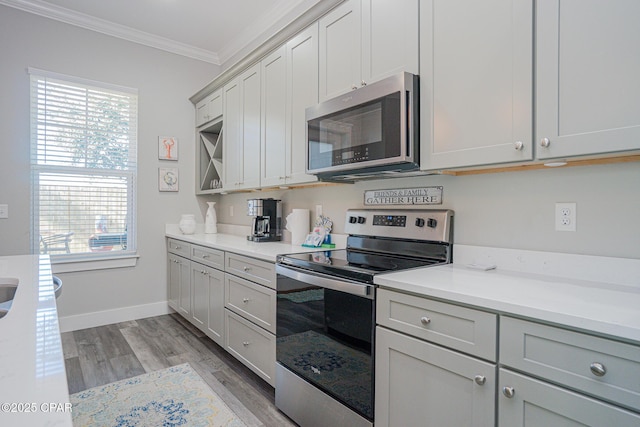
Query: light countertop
[(601, 308), (33, 381), (267, 251)]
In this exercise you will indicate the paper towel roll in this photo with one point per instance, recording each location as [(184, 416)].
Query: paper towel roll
[(298, 225)]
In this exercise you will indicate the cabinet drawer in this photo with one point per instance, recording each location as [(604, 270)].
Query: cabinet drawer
[(252, 301), (211, 257), (258, 271), (604, 368), (252, 345), (179, 247), (464, 329)]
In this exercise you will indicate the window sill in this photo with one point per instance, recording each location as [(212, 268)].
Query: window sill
[(73, 265)]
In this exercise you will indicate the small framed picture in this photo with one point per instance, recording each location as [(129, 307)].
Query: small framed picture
[(168, 179), (167, 148)]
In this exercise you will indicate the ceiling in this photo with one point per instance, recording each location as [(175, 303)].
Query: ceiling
[(208, 30)]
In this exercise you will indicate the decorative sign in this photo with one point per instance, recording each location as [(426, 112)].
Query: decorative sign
[(404, 196)]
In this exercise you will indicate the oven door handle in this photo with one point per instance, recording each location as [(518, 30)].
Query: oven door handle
[(323, 281)]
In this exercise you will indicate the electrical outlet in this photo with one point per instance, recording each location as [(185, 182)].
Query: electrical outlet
[(566, 217), (230, 210), (318, 210)]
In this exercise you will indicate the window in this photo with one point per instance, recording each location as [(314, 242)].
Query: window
[(83, 168)]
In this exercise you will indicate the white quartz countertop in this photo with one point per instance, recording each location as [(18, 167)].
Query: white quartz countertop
[(267, 251), (33, 381), (602, 308)]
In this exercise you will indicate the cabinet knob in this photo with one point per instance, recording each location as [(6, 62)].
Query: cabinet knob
[(354, 87), (598, 369), (245, 300), (363, 83), (508, 392), (245, 269), (518, 145), (480, 379), (246, 343), (425, 320), (205, 256), (544, 142)]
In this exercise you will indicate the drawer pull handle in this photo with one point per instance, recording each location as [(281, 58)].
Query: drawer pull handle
[(508, 392), (246, 268), (246, 343), (598, 369), (425, 320), (245, 300), (205, 256), (480, 379), (178, 247)]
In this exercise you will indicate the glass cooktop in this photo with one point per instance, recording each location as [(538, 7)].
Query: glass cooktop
[(352, 264)]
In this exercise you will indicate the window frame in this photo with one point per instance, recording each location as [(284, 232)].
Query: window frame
[(83, 261)]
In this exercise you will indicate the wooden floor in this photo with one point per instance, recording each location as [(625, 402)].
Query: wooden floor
[(105, 354)]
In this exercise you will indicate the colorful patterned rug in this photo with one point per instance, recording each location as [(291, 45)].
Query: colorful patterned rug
[(176, 396)]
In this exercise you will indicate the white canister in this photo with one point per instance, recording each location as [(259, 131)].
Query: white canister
[(187, 223), (298, 225)]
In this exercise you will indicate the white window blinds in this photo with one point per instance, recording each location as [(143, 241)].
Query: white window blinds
[(83, 164)]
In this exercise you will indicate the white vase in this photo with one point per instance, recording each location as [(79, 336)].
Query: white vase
[(211, 219), (187, 223)]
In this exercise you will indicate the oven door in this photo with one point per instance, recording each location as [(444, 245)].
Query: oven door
[(324, 348)]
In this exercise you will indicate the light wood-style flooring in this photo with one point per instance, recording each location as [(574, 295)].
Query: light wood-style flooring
[(98, 356)]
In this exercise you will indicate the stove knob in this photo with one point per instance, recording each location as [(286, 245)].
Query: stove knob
[(353, 219), (419, 222), (361, 220), (432, 223)]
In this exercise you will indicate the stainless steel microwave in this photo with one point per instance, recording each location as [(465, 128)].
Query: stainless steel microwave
[(368, 133)]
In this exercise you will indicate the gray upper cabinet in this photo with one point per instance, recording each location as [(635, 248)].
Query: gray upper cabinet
[(289, 86), (274, 110), (302, 92), (362, 41), (242, 131), (587, 85), (209, 108), (476, 62)]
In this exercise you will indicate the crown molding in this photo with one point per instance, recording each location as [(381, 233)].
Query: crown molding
[(82, 20)]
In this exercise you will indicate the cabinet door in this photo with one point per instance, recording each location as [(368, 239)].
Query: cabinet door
[(340, 50), (420, 384), (199, 295), (174, 281), (180, 285), (587, 68), (302, 92), (274, 123), (249, 150), (534, 403), (389, 38), (232, 135), (215, 319), (476, 62)]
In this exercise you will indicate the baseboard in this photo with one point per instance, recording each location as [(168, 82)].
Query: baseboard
[(107, 317)]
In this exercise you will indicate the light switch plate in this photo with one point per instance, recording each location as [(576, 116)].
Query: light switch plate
[(4, 211)]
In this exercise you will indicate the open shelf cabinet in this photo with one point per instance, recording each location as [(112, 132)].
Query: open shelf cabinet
[(209, 159)]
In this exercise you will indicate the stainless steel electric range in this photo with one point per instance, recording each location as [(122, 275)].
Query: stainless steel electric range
[(326, 312)]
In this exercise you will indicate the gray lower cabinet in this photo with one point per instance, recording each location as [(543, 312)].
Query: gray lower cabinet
[(179, 284), (208, 301), (250, 313), (525, 401), (429, 370), (422, 384), (230, 297)]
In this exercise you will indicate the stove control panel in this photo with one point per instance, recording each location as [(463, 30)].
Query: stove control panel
[(414, 224)]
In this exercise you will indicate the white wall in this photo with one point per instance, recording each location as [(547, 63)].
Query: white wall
[(164, 81), (507, 210)]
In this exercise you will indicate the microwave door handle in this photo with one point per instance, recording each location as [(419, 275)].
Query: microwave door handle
[(323, 281)]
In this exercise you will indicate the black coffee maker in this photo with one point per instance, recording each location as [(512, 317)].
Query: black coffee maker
[(267, 220)]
